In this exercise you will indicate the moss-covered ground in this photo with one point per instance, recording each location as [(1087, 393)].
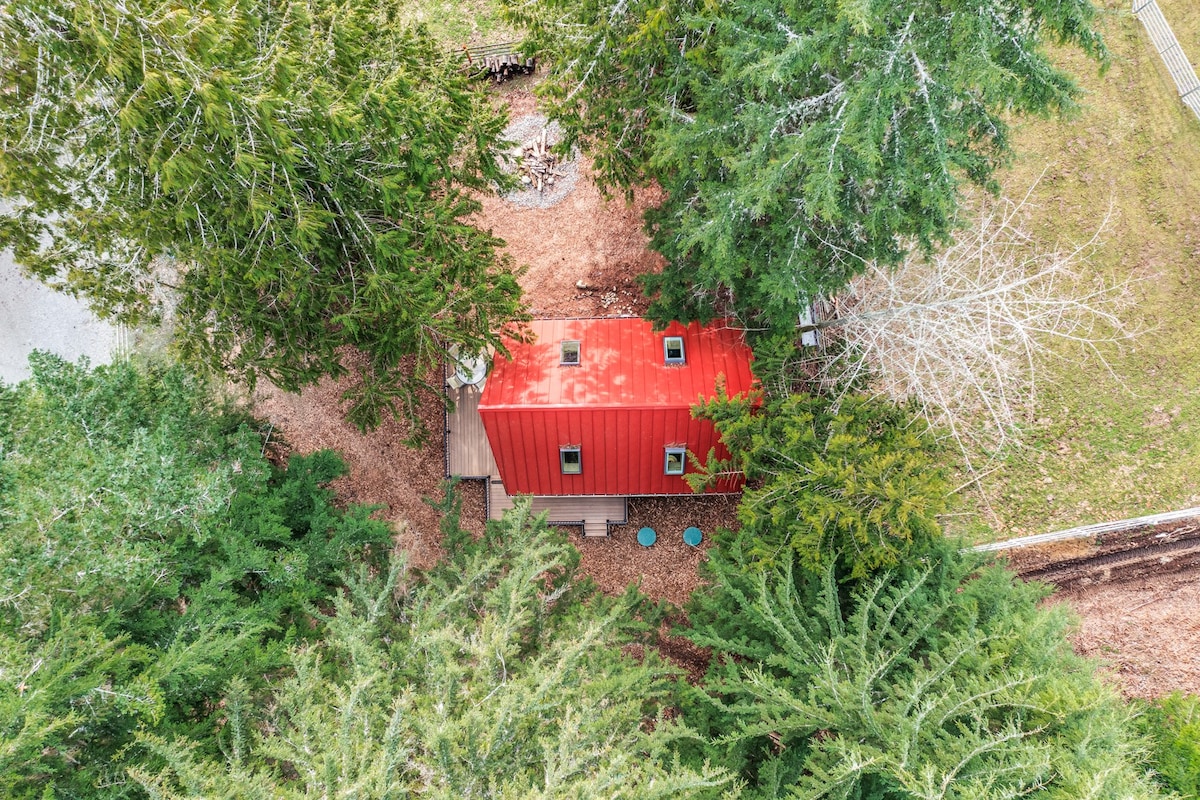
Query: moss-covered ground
[(1103, 445)]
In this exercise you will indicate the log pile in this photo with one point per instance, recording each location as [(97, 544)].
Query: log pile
[(506, 65), (500, 60), (536, 165)]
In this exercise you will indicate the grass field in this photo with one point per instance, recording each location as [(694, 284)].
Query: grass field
[(1105, 446), (457, 22)]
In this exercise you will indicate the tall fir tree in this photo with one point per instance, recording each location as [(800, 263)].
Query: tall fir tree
[(848, 484), (498, 675), (799, 141), (149, 555), (942, 679), (294, 175)]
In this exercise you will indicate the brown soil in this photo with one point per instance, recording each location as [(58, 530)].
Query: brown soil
[(584, 238), (1147, 631), (383, 470), (1138, 597), (668, 569)]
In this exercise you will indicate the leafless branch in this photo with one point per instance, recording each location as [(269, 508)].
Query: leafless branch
[(964, 333)]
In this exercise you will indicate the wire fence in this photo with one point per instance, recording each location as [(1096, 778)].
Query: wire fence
[(1088, 531), (1172, 54)]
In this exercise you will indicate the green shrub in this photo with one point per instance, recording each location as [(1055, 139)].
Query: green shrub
[(1172, 724)]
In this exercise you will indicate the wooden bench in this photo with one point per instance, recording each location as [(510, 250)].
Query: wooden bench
[(499, 61)]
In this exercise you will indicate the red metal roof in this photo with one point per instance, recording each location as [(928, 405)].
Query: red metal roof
[(622, 405)]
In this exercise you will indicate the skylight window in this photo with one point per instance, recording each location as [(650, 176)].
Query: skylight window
[(673, 350), (675, 461), (570, 460), (570, 353)]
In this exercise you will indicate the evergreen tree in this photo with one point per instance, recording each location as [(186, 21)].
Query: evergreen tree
[(292, 173), (1172, 724), (940, 679), (149, 554), (498, 674), (847, 483), (799, 141)]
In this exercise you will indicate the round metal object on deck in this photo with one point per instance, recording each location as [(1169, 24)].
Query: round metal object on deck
[(647, 537), (471, 370), (693, 536)]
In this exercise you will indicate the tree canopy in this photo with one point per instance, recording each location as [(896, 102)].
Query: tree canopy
[(496, 675), (293, 174), (182, 618), (847, 483), (937, 679), (149, 554), (799, 141)]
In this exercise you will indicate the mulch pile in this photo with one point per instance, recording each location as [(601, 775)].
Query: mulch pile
[(667, 570)]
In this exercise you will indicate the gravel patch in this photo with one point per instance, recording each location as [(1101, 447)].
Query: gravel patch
[(525, 130)]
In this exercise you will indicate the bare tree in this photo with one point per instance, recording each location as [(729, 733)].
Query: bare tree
[(965, 332)]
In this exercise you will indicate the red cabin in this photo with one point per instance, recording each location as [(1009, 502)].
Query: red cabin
[(603, 406)]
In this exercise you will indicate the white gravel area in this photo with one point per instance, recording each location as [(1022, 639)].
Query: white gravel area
[(33, 316), (525, 130)]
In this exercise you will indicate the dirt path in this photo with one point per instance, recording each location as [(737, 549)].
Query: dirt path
[(1138, 597), (1147, 631)]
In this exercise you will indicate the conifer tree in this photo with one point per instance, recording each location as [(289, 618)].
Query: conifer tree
[(149, 555), (849, 483), (496, 675), (937, 680), (799, 141), (292, 175)]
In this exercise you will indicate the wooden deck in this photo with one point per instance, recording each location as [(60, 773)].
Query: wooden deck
[(594, 513), (468, 454)]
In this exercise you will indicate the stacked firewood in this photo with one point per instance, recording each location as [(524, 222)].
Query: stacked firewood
[(538, 167), (505, 65)]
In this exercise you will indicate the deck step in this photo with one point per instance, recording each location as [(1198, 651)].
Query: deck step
[(595, 512)]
